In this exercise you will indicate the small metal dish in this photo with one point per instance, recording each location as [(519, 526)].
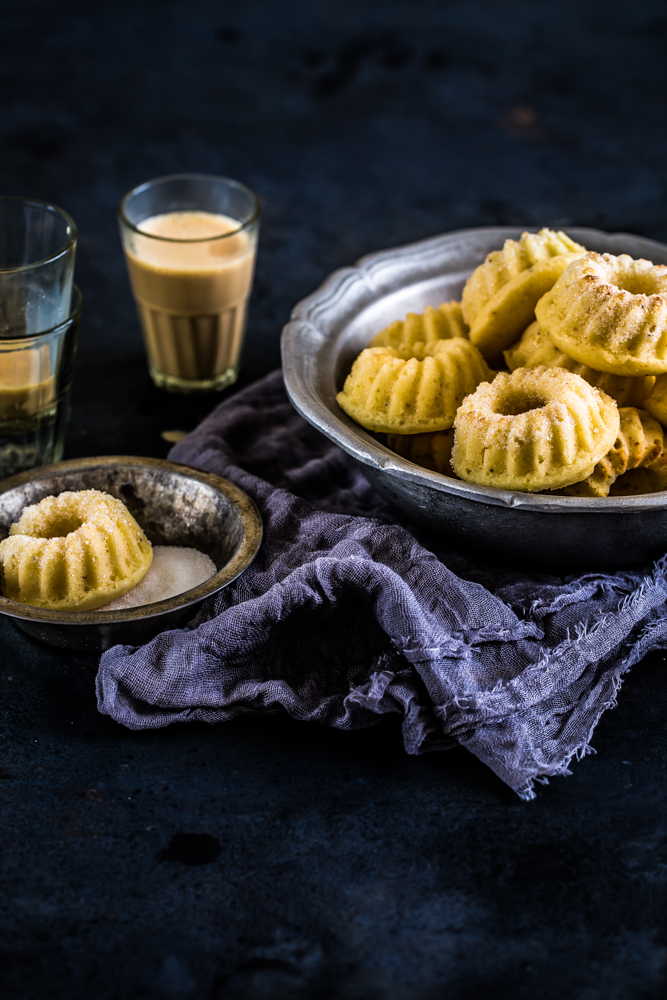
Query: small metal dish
[(175, 505), (330, 327)]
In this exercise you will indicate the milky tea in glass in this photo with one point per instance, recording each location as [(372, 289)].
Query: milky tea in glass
[(190, 247), (40, 310)]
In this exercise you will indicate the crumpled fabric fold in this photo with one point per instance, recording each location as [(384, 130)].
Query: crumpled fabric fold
[(349, 613)]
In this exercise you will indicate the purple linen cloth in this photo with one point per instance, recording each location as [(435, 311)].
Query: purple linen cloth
[(346, 615)]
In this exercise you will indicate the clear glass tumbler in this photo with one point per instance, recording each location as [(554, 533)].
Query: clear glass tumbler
[(190, 243), (35, 380), (37, 248), (40, 310)]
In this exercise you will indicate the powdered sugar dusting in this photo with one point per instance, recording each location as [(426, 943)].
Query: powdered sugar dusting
[(173, 571)]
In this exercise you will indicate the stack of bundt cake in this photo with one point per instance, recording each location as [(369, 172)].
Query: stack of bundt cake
[(582, 407), (500, 296)]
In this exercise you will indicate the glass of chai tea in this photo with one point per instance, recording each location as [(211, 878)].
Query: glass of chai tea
[(190, 243), (40, 310)]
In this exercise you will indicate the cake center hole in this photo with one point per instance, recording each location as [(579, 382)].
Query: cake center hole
[(61, 526), (515, 403), (638, 284)]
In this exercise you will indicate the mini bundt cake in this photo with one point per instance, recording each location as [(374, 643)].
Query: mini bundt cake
[(639, 443), (399, 393), (534, 429), (537, 348), (610, 313), (634, 482), (442, 323), (73, 552), (500, 296), (656, 404), (432, 451)]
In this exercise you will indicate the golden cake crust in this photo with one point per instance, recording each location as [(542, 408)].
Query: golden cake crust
[(499, 298), (534, 429), (610, 313), (536, 347), (435, 323), (73, 552), (635, 482), (639, 443), (432, 451), (656, 404), (396, 392)]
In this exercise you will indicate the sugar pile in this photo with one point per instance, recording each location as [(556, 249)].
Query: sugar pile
[(173, 571)]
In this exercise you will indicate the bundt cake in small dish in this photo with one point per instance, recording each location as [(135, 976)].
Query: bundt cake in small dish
[(78, 535), (73, 552)]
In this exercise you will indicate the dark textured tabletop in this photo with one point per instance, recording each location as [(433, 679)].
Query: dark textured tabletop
[(267, 858)]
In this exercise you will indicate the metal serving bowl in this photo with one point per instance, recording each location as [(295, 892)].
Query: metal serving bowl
[(330, 327), (175, 505)]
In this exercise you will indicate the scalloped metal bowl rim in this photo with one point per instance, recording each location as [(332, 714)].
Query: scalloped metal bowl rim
[(236, 565), (353, 439)]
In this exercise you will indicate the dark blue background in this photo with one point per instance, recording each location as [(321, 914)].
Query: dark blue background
[(335, 866)]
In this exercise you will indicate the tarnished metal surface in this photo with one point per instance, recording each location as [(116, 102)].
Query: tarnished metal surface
[(331, 326), (175, 505)]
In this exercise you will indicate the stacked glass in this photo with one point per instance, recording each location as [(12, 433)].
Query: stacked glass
[(40, 308)]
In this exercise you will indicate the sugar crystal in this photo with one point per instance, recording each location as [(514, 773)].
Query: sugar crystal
[(173, 571)]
